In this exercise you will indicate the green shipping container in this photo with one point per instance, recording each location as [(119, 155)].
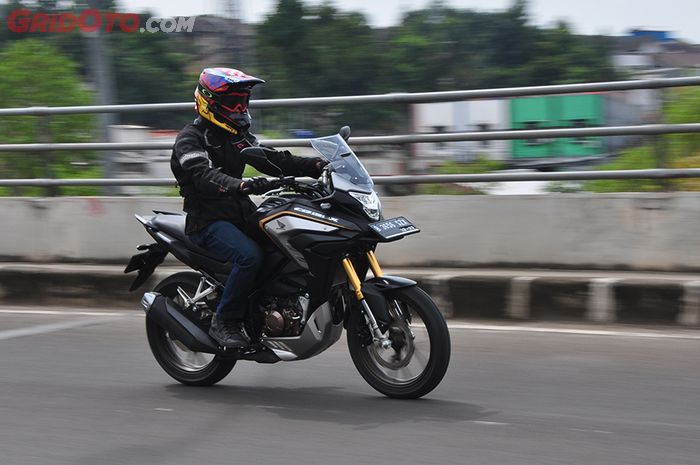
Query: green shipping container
[(581, 111), (561, 111), (532, 113)]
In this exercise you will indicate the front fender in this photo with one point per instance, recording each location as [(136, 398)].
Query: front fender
[(376, 291), (388, 283)]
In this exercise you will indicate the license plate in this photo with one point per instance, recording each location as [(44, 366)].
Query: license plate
[(394, 228)]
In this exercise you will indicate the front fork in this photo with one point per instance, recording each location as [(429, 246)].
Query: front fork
[(356, 284)]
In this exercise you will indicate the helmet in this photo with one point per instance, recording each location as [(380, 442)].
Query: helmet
[(222, 97)]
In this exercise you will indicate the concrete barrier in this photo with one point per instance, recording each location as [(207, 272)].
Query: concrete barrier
[(608, 233), (575, 231), (629, 297)]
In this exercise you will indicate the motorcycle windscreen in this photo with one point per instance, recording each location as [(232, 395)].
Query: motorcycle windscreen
[(344, 162)]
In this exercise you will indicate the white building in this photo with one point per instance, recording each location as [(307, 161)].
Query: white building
[(465, 116), (141, 163)]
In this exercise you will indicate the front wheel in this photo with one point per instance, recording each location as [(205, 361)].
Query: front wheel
[(420, 353)]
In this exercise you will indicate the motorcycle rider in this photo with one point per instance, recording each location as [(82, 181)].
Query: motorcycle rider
[(208, 166)]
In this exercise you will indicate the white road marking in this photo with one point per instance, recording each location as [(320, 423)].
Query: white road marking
[(668, 334), (598, 431), (51, 328), (490, 423), (164, 409), (582, 331), (59, 312)]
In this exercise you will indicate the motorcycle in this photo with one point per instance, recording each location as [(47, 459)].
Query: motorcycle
[(319, 240)]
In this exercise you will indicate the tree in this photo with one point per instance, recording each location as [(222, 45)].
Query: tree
[(34, 73), (320, 51), (151, 68)]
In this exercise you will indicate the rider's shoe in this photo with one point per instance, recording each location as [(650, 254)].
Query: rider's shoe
[(228, 333)]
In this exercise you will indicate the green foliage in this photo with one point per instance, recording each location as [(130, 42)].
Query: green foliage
[(679, 151), (319, 51), (307, 50), (34, 73), (67, 171), (447, 189), (684, 107), (479, 166), (631, 159), (302, 50), (151, 68)]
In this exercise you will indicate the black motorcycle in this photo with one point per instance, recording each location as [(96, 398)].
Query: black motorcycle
[(319, 240)]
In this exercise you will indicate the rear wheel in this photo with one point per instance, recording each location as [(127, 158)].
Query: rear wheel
[(186, 366), (420, 353)]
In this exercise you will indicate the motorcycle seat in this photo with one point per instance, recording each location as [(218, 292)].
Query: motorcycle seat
[(173, 224)]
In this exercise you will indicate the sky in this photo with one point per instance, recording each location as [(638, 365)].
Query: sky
[(612, 17)]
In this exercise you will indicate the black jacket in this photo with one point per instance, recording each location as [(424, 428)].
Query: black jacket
[(208, 166)]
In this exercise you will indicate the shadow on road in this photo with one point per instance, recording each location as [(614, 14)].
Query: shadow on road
[(332, 404)]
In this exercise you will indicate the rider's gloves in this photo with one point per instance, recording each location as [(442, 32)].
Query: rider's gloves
[(320, 163), (255, 186)]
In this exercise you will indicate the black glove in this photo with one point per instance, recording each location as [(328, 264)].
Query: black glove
[(255, 186), (320, 163)]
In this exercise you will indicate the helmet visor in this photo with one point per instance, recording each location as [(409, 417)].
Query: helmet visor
[(234, 102)]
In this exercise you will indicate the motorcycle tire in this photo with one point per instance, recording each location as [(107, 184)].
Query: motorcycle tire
[(404, 371), (184, 365)]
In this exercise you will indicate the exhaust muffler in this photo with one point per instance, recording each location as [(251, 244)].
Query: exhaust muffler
[(164, 312)]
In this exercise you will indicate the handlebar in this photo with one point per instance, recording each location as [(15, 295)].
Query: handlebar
[(295, 185), (287, 181)]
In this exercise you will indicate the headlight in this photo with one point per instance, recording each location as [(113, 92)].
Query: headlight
[(370, 204)]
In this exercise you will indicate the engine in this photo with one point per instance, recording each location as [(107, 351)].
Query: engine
[(284, 316)]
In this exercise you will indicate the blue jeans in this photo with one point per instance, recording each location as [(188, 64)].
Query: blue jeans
[(226, 240)]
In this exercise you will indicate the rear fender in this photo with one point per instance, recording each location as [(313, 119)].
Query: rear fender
[(145, 262)]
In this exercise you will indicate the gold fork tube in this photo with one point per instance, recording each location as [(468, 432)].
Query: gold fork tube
[(354, 279), (374, 264)]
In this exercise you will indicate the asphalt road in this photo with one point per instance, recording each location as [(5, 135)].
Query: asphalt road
[(84, 389)]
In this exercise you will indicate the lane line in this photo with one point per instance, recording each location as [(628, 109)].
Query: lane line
[(597, 431), (454, 326), (53, 327), (59, 312), (583, 332), (602, 421)]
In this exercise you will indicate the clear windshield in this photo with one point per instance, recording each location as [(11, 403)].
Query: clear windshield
[(343, 161)]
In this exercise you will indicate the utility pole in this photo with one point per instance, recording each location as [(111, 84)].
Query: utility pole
[(101, 72), (233, 48)]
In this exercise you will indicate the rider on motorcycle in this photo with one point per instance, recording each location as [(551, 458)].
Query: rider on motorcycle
[(208, 166)]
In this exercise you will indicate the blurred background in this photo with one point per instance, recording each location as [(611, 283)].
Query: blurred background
[(526, 281), (313, 49)]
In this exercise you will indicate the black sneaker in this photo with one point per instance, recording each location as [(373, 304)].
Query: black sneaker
[(229, 333)]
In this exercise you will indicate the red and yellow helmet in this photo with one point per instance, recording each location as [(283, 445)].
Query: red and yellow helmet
[(222, 97)]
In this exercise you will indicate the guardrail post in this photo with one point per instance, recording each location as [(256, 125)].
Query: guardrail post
[(46, 158), (659, 141)]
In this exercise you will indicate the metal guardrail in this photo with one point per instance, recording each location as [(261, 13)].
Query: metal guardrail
[(648, 129), (425, 97), (421, 179), (417, 97)]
